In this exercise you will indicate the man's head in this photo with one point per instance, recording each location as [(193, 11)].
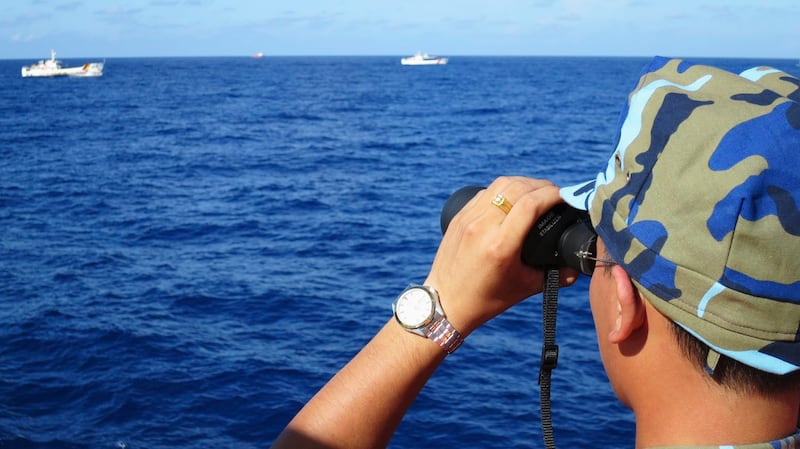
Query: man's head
[(700, 204)]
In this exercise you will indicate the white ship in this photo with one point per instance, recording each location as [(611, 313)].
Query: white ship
[(423, 59), (53, 67)]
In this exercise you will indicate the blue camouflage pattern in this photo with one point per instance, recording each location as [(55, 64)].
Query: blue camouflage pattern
[(700, 203)]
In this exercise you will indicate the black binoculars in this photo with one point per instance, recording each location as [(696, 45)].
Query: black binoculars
[(562, 237)]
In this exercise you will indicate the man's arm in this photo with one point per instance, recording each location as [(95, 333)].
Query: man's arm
[(363, 404), (478, 274)]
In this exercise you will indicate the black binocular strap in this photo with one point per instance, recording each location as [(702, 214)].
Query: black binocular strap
[(549, 352)]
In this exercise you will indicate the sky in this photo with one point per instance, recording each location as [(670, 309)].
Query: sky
[(162, 28)]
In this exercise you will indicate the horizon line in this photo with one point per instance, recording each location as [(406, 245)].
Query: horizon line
[(456, 55)]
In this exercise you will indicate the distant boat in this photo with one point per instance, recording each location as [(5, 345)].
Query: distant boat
[(258, 55), (423, 59), (53, 67)]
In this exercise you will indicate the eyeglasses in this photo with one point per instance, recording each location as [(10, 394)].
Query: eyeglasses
[(589, 261)]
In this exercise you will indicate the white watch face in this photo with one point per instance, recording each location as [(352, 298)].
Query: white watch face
[(414, 308)]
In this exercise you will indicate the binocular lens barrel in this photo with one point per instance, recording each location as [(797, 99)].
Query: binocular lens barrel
[(558, 238)]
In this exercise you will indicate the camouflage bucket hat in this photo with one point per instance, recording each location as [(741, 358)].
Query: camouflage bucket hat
[(699, 203)]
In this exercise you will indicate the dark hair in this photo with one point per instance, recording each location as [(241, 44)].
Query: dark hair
[(731, 373)]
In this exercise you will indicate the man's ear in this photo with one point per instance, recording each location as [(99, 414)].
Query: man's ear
[(629, 305)]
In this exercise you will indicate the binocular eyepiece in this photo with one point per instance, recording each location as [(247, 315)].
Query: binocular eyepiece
[(562, 237)]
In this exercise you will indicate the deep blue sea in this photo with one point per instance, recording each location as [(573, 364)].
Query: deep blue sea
[(191, 247)]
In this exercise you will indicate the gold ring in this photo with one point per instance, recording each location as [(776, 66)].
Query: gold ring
[(502, 203)]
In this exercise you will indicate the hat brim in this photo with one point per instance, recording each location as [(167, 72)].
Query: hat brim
[(579, 196)]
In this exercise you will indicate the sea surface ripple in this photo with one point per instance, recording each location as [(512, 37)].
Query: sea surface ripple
[(191, 247)]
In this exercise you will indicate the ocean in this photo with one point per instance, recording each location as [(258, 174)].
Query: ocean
[(191, 247)]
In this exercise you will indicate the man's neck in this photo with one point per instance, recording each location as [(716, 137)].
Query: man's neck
[(707, 414)]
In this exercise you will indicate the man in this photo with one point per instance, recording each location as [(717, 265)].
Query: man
[(696, 293)]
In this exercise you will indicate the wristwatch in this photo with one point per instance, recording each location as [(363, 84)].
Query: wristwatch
[(420, 312)]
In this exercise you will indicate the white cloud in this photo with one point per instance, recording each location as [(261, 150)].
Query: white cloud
[(26, 37)]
